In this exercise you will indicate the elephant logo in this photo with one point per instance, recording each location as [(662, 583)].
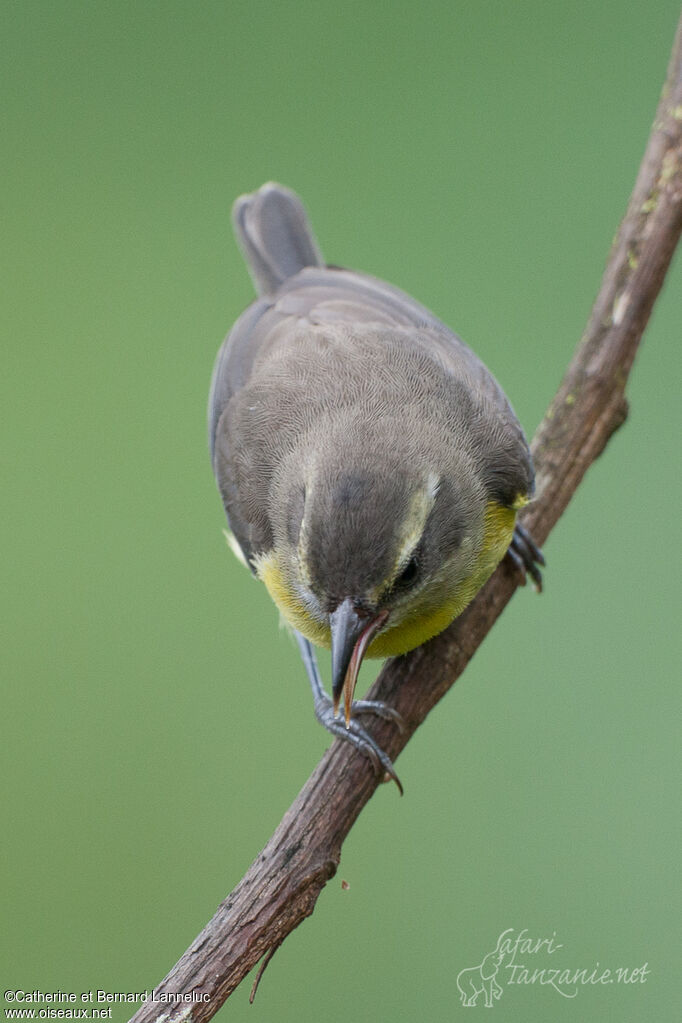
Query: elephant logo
[(477, 980)]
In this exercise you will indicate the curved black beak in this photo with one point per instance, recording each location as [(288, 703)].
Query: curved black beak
[(347, 627), (351, 635)]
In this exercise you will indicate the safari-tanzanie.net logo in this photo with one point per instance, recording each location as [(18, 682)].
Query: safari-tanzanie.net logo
[(520, 960)]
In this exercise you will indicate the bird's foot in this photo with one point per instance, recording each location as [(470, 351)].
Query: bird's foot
[(356, 735), (526, 556), (382, 710)]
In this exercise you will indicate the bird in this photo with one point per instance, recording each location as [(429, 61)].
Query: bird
[(370, 466)]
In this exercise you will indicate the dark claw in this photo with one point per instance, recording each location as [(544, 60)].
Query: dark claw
[(526, 556), (518, 564), (356, 735), (530, 543), (536, 576)]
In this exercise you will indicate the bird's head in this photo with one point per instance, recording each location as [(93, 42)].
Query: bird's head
[(375, 554)]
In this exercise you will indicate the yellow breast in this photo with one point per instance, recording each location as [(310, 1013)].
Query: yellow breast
[(422, 622)]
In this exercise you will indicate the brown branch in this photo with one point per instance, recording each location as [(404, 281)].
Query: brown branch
[(282, 886)]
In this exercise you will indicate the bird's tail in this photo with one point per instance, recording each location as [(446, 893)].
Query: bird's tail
[(275, 236)]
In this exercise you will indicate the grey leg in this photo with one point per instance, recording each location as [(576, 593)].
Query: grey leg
[(355, 734)]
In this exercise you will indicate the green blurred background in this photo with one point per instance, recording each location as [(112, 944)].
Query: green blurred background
[(157, 722)]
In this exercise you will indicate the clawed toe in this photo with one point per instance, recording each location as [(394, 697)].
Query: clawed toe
[(356, 735), (526, 556), (382, 710)]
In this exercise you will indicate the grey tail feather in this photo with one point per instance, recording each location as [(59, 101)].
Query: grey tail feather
[(275, 236)]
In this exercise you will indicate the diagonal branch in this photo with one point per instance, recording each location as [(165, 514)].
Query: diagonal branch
[(282, 886)]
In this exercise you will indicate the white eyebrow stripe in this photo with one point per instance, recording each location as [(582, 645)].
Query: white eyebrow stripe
[(422, 503), (406, 552)]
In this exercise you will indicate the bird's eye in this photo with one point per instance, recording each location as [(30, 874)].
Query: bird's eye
[(408, 575)]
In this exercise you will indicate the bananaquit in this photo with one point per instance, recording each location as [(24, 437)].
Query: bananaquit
[(370, 466)]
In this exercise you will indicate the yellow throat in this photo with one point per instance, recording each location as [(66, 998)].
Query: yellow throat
[(422, 623)]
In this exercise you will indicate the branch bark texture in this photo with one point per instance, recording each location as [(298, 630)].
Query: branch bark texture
[(281, 887)]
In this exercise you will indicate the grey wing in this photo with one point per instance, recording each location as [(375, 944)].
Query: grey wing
[(320, 295), (329, 295), (231, 371), (315, 295)]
